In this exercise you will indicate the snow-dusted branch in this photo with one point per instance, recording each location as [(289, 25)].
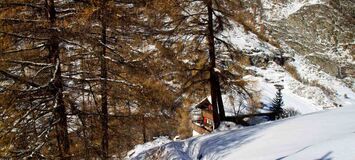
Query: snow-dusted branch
[(100, 79), (55, 71), (42, 69), (22, 36), (21, 20), (19, 79), (75, 44), (121, 59), (21, 50), (12, 4), (32, 63)]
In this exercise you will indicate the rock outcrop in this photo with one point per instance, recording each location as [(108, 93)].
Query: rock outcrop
[(323, 32)]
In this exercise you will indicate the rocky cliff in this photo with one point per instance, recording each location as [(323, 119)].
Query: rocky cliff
[(320, 30)]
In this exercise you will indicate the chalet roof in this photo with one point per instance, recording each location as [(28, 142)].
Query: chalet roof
[(233, 103), (203, 104)]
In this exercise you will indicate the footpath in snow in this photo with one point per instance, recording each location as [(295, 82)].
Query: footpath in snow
[(324, 135)]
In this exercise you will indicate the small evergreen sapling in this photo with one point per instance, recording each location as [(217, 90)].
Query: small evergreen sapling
[(277, 103)]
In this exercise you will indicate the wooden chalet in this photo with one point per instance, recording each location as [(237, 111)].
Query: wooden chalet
[(202, 117), (203, 122)]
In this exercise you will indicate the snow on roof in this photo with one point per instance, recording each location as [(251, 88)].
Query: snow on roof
[(232, 103)]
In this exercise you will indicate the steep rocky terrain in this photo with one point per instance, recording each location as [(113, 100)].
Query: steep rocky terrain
[(320, 30), (316, 38)]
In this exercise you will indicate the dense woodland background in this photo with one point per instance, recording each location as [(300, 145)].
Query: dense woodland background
[(92, 78)]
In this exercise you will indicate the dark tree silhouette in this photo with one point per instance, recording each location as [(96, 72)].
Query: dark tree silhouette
[(277, 103)]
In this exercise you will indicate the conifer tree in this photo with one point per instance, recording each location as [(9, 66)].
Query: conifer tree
[(33, 66), (89, 79), (120, 75), (190, 35), (277, 103)]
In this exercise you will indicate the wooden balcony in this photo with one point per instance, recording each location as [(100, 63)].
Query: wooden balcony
[(207, 114), (200, 129)]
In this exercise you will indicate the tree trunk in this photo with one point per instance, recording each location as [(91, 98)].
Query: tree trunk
[(220, 100), (144, 134), (83, 119), (216, 95), (103, 76), (56, 87)]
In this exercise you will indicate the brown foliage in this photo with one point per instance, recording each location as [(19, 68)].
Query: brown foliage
[(184, 126), (293, 71)]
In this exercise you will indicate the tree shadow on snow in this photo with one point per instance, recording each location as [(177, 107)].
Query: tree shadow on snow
[(220, 143), (325, 157), (281, 158)]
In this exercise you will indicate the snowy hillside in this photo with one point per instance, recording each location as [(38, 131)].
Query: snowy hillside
[(315, 90), (301, 96), (324, 135), (321, 31), (276, 10), (317, 134), (94, 79)]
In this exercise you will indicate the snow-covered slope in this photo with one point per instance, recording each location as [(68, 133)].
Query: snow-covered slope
[(316, 91), (320, 30), (146, 147), (275, 10), (324, 135), (304, 97)]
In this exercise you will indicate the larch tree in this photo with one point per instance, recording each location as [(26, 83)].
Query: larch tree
[(32, 68), (92, 78), (120, 78), (190, 34)]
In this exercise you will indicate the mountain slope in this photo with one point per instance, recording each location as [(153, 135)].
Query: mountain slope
[(323, 135), (310, 90), (317, 38), (320, 30)]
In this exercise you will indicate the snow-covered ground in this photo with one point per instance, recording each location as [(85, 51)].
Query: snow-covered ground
[(291, 100), (246, 41), (316, 134), (275, 10), (305, 98), (324, 135), (146, 147)]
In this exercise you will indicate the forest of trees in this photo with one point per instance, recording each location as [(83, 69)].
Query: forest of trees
[(92, 78)]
